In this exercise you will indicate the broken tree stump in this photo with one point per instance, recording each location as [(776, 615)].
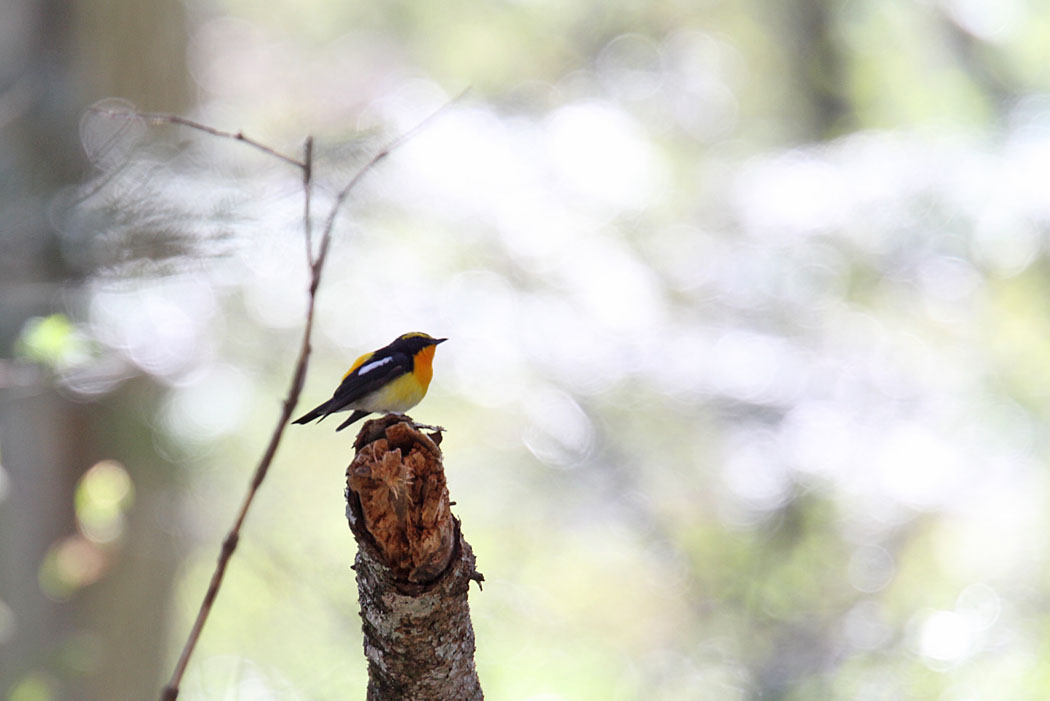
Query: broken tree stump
[(413, 566)]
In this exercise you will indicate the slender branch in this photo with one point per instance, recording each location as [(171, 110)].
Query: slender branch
[(161, 118), (308, 174), (229, 544)]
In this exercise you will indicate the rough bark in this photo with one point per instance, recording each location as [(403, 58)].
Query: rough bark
[(413, 567)]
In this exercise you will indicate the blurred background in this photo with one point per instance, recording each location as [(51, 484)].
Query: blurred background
[(749, 308)]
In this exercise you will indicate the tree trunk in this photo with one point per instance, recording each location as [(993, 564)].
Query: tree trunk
[(818, 66), (106, 640), (413, 567)]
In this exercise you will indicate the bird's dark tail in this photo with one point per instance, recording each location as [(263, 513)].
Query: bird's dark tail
[(357, 414), (317, 412)]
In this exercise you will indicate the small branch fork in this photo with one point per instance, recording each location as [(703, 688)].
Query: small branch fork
[(316, 264)]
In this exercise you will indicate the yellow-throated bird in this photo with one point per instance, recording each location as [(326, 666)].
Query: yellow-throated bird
[(392, 379)]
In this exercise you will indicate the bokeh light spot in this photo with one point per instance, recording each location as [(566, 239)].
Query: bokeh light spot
[(34, 687), (209, 404), (864, 626), (945, 636), (8, 622), (871, 568), (103, 495), (5, 483), (558, 431), (631, 66), (600, 153), (109, 132), (52, 340), (69, 565)]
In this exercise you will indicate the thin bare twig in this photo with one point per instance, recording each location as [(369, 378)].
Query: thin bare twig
[(326, 235), (229, 544), (308, 174), (161, 118)]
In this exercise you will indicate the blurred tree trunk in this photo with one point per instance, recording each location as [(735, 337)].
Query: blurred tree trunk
[(985, 68), (413, 567), (819, 67), (106, 641)]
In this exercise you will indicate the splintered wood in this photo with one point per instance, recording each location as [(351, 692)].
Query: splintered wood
[(399, 482)]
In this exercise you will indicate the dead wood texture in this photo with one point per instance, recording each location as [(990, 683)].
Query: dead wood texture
[(413, 567)]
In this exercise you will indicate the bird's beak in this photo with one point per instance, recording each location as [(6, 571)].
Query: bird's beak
[(438, 340)]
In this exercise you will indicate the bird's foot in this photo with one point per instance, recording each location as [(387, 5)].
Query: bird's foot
[(411, 422), (428, 427)]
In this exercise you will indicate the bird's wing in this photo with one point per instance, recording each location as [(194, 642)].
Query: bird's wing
[(369, 376)]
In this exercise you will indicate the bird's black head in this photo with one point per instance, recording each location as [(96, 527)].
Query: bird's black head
[(412, 343)]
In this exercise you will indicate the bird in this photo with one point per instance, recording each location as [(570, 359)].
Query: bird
[(392, 379)]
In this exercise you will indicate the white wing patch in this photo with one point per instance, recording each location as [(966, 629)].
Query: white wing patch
[(373, 365)]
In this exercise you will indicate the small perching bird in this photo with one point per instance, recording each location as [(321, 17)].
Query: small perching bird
[(392, 380)]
